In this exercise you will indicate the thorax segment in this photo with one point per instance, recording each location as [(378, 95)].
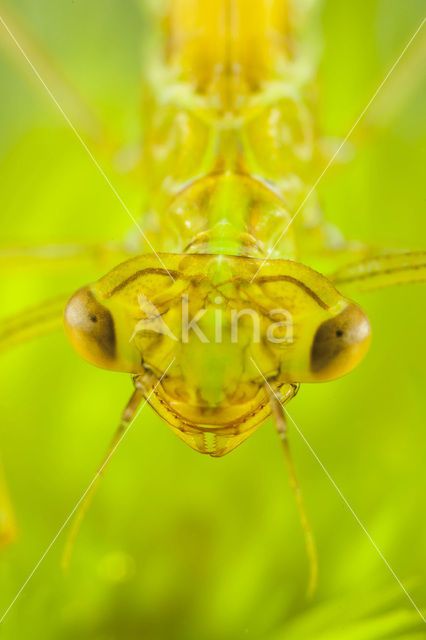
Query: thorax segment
[(230, 139)]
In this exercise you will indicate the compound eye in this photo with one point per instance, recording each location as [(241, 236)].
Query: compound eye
[(340, 343), (90, 329)]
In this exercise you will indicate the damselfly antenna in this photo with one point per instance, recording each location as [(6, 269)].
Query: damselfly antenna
[(281, 425), (128, 416)]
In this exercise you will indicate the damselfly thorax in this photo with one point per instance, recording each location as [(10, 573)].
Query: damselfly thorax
[(230, 141)]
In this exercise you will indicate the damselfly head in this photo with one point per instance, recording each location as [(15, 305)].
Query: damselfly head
[(222, 332)]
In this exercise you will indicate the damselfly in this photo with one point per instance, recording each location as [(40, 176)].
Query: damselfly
[(212, 308)]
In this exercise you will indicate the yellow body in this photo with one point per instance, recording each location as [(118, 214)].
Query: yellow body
[(235, 45), (220, 328), (228, 148)]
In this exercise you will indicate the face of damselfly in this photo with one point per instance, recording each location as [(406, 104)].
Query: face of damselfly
[(220, 327)]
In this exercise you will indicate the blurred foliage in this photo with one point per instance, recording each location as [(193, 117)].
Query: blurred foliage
[(177, 545)]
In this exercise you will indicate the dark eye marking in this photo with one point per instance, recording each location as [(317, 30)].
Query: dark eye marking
[(325, 347), (338, 334), (101, 328)]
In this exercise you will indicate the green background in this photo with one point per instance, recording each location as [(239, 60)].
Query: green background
[(177, 545)]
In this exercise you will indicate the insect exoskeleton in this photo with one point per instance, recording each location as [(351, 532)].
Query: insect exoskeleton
[(218, 326)]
